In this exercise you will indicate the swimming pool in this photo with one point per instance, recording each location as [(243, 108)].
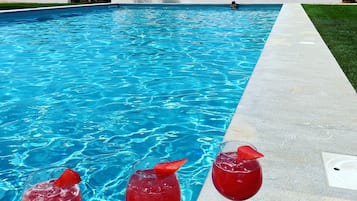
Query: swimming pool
[(97, 88)]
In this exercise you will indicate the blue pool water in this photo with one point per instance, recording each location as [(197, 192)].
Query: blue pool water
[(96, 89)]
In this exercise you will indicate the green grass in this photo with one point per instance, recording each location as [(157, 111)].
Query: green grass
[(9, 6), (337, 25)]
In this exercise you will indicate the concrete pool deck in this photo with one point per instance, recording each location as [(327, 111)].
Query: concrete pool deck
[(298, 104)]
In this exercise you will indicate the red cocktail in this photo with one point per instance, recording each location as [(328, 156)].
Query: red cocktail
[(64, 188), (46, 191), (237, 175), (146, 184), (159, 183)]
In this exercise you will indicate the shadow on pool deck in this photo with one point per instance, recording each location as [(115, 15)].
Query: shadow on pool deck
[(298, 104)]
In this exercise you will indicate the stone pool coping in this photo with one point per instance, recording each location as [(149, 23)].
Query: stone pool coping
[(298, 104)]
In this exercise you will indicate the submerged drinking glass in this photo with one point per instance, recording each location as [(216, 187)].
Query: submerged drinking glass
[(236, 179), (39, 187), (146, 184)]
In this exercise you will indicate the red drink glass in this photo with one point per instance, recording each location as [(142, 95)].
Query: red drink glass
[(236, 179), (40, 187), (146, 184)]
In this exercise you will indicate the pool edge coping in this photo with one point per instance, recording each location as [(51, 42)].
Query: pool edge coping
[(125, 4)]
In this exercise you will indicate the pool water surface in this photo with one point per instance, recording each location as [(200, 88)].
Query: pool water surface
[(96, 89)]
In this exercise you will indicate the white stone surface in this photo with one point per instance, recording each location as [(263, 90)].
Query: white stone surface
[(298, 104)]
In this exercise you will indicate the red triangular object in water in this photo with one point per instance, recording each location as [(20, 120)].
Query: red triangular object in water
[(169, 167), (68, 178)]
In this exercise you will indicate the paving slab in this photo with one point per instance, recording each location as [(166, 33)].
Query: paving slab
[(298, 104)]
